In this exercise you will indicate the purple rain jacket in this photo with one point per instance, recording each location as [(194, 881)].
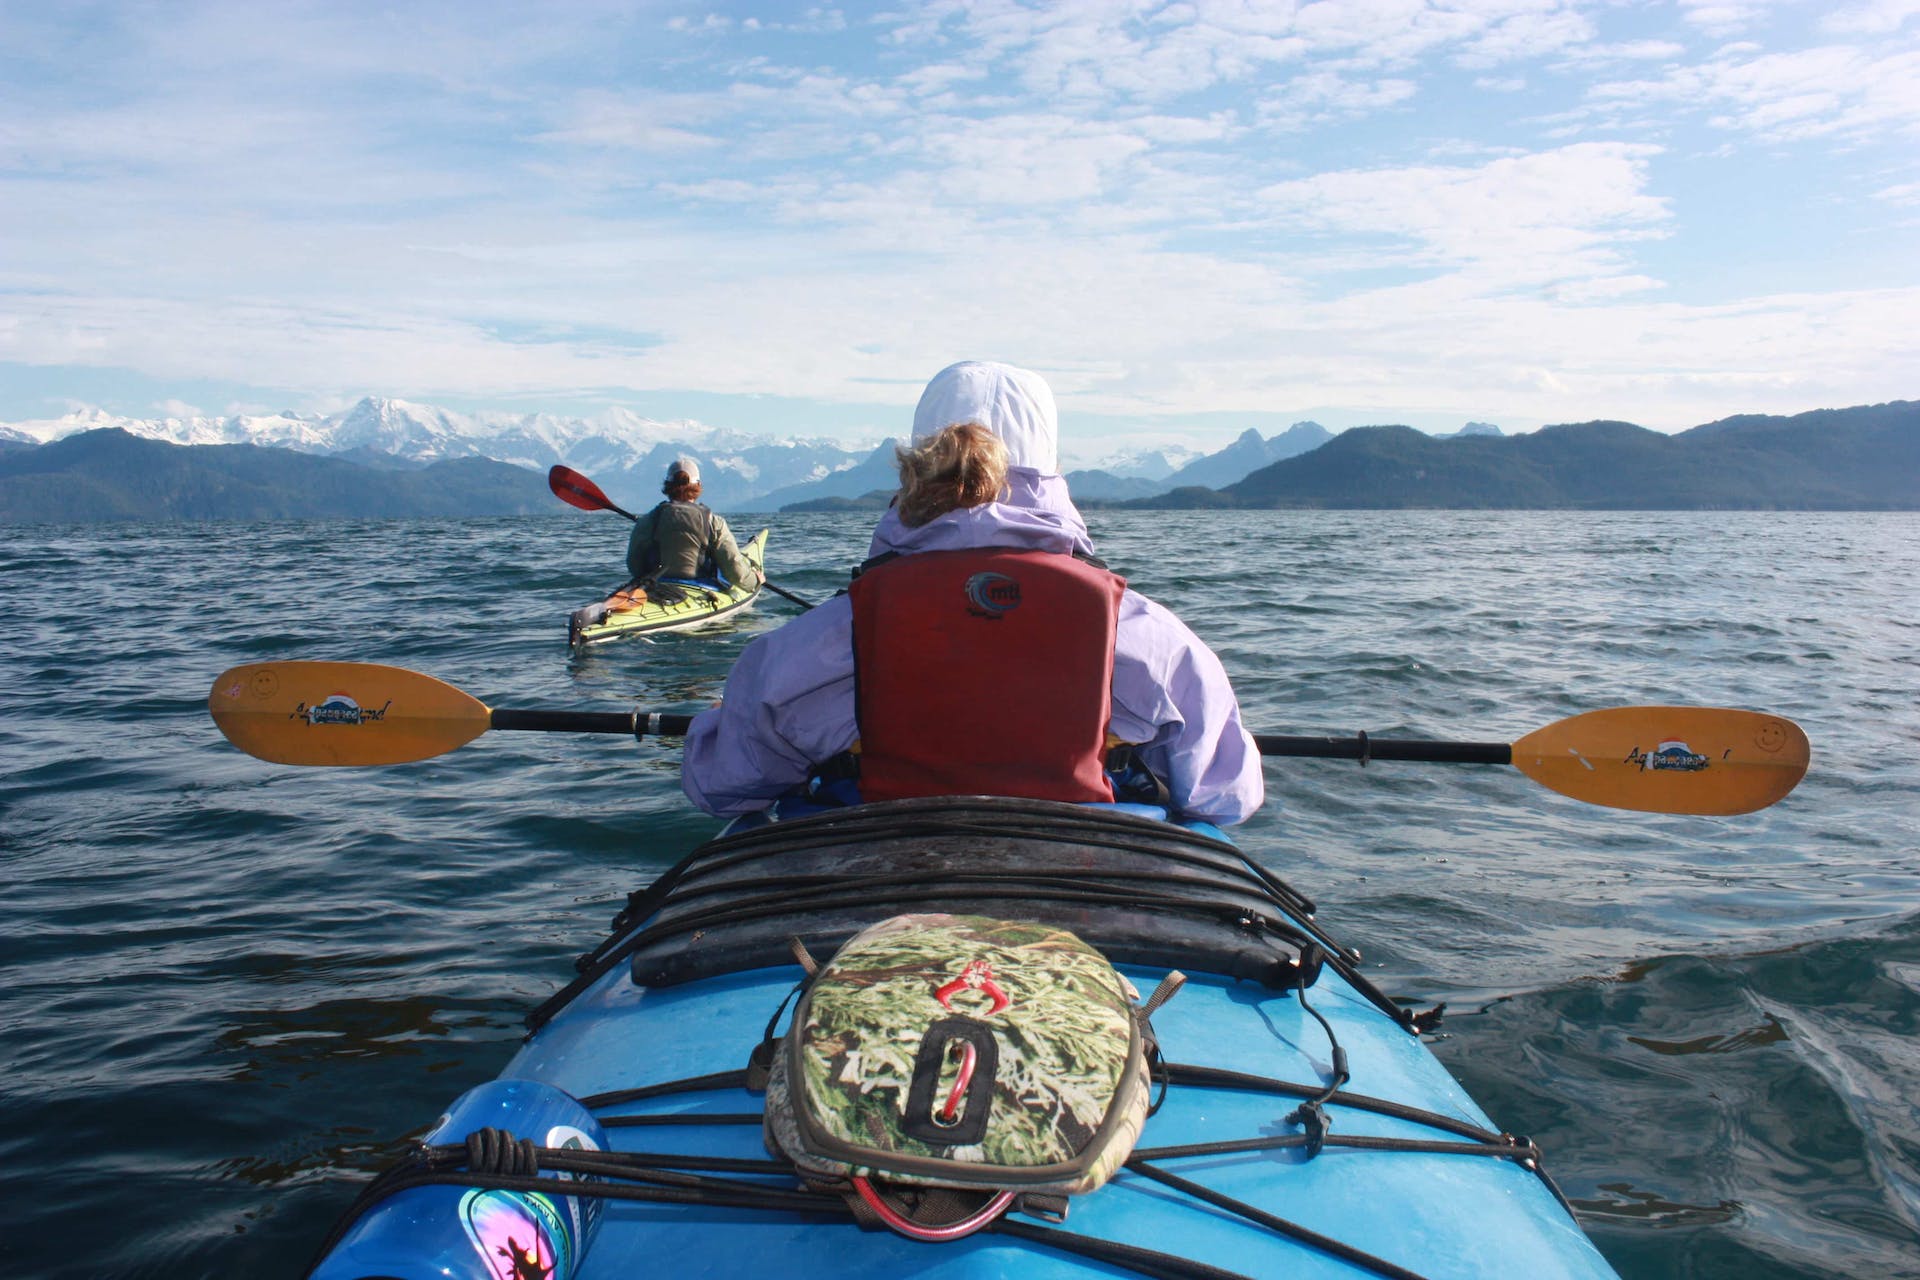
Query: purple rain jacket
[(789, 702)]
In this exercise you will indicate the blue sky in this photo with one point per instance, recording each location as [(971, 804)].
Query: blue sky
[(1192, 217)]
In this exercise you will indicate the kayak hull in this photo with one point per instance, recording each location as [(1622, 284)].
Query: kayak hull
[(696, 605), (1410, 1177)]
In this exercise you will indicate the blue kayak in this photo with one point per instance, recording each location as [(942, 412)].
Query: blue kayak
[(1302, 1129)]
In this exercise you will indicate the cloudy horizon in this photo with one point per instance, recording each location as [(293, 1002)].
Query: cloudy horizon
[(1192, 218)]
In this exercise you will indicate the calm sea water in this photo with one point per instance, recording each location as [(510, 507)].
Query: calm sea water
[(233, 989)]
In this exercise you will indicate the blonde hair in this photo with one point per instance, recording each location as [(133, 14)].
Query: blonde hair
[(962, 465)]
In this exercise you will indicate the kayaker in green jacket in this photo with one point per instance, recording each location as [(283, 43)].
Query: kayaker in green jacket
[(681, 538)]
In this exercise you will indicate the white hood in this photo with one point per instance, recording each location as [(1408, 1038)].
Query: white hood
[(1014, 404)]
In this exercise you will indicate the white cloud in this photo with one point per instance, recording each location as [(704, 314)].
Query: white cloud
[(1320, 96), (1724, 17), (1095, 187), (1515, 221), (1829, 92), (1875, 18)]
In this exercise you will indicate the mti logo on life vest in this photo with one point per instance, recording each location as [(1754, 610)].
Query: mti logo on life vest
[(991, 594)]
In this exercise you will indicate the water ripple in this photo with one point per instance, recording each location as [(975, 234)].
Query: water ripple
[(230, 983)]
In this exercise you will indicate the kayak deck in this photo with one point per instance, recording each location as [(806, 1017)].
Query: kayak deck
[(692, 604), (699, 963)]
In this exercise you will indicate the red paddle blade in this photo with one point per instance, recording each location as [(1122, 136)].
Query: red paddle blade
[(576, 490)]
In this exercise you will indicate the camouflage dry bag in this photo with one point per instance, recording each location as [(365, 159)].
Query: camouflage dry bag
[(1000, 1058)]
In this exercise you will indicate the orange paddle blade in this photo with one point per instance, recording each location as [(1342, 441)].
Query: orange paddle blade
[(342, 713), (1703, 760)]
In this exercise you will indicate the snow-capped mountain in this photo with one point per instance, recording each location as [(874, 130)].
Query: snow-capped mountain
[(624, 452), (1156, 463), (627, 454)]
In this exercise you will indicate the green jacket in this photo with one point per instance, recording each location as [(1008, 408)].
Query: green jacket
[(685, 540)]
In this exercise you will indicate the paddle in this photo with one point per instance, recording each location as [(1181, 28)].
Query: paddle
[(576, 490), (1699, 760)]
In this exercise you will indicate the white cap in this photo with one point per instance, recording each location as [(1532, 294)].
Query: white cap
[(1014, 404), (684, 466)]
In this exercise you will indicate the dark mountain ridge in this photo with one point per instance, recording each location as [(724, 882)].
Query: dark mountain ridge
[(1865, 458), (110, 474), (1858, 459)]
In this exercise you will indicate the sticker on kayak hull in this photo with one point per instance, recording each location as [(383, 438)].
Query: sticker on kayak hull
[(521, 1235)]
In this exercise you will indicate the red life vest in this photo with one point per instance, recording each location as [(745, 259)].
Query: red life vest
[(984, 672)]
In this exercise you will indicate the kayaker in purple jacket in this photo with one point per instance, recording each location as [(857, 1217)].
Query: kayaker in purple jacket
[(789, 704)]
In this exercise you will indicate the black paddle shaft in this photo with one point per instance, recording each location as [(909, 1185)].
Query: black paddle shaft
[(1363, 748), (638, 724)]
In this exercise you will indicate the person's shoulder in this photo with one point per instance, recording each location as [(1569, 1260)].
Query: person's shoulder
[(1149, 631)]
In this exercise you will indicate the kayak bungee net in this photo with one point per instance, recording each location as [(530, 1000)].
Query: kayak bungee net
[(670, 604), (877, 1040)]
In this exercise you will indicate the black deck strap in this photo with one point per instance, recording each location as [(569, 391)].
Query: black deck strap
[(589, 967), (1273, 1222), (951, 816), (682, 1119), (642, 903), (724, 1193), (1520, 1150), (443, 1166), (692, 1084), (1366, 748), (662, 1178), (1127, 1257), (854, 893), (1187, 1074), (1520, 1154), (710, 1164), (760, 1061), (619, 947)]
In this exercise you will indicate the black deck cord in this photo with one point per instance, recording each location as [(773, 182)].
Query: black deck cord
[(511, 1159), (723, 1193), (1480, 1141), (1061, 829), (826, 830), (1273, 1222), (1225, 883), (607, 960), (1310, 1114), (1520, 1150), (829, 829), (855, 892), (1185, 1074), (861, 891)]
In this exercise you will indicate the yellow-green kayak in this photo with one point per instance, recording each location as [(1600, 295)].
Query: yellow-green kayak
[(673, 604)]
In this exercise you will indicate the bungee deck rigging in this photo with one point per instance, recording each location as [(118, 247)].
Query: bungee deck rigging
[(492, 1158), (841, 865), (720, 925)]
